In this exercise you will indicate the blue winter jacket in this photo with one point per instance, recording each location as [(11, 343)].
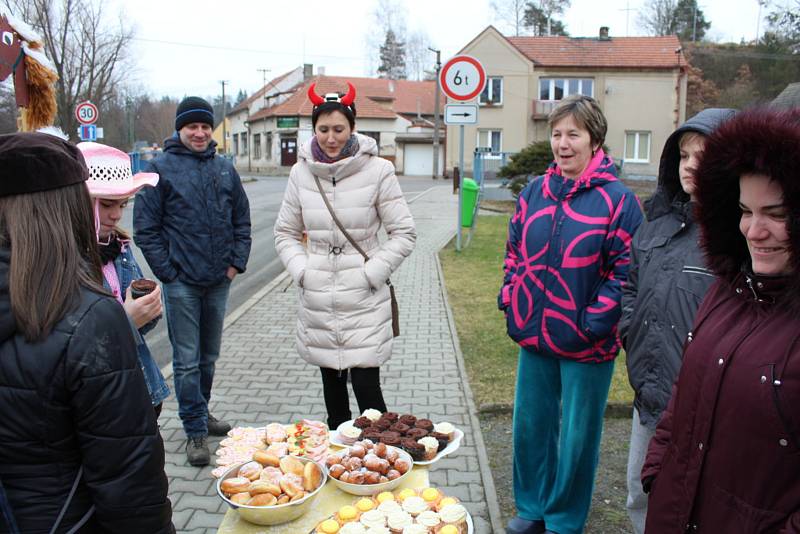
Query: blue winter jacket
[(196, 222), (566, 260), (128, 271)]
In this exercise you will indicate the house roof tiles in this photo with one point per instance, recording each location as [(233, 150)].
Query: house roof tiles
[(615, 52)]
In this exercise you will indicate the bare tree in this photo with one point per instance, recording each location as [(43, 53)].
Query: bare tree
[(155, 119), (659, 17), (89, 53), (8, 110), (510, 14), (417, 54)]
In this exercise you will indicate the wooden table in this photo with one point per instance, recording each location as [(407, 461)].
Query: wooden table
[(329, 500)]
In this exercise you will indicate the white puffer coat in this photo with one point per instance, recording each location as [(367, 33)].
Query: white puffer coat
[(345, 318)]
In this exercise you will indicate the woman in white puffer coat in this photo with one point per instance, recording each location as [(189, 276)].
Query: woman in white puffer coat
[(344, 321)]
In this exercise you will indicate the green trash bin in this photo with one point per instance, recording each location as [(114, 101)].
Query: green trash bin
[(469, 189)]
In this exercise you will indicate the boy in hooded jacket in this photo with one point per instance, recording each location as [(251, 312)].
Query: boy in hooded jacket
[(667, 280)]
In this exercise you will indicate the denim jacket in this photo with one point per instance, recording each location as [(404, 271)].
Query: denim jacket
[(128, 271)]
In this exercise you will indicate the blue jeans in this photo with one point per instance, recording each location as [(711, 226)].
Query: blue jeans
[(195, 316), (558, 421)]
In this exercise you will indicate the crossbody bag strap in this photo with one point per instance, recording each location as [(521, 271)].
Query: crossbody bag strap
[(64, 508), (337, 221)]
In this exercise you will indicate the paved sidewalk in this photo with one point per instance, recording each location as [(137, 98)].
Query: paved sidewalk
[(261, 379)]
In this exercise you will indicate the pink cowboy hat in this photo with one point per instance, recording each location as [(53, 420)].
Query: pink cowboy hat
[(110, 172)]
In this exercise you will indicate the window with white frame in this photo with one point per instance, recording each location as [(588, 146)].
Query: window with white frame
[(558, 88), (492, 94), (637, 147), (492, 139)]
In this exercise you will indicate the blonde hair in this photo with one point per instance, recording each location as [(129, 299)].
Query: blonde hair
[(688, 137), (586, 112)]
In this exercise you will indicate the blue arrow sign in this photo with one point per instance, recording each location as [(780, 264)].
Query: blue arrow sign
[(87, 132)]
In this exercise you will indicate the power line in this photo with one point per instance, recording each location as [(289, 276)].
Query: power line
[(235, 49)]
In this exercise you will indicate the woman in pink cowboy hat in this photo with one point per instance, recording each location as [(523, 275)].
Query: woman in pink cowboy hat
[(111, 183)]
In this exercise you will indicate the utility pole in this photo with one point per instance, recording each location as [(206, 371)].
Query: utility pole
[(436, 116), (627, 11), (224, 126), (761, 3), (264, 119)]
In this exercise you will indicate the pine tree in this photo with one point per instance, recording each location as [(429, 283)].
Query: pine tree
[(690, 22), (393, 58), (536, 20)]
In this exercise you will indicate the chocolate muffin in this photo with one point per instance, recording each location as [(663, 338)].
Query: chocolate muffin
[(407, 419), (413, 448), (390, 416), (400, 427), (142, 287), (382, 424), (362, 422), (425, 424), (443, 440), (388, 434), (371, 434), (391, 440), (416, 433)]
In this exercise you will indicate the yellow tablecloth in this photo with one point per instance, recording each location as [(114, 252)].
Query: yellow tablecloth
[(329, 500)]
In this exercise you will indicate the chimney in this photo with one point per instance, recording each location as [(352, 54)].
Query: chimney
[(308, 71), (320, 71), (604, 33)]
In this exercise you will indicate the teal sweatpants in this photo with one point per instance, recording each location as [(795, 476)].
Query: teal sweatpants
[(558, 423)]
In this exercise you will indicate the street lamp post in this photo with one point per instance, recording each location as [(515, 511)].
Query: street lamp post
[(436, 116)]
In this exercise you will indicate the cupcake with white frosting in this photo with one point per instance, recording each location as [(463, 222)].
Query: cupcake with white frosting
[(456, 515), (431, 447), (373, 519), (348, 434), (445, 428), (397, 521), (415, 505), (371, 414)]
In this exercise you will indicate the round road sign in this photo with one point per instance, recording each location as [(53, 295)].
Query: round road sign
[(462, 78), (86, 113)]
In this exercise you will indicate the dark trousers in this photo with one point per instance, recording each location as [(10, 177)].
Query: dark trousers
[(366, 385)]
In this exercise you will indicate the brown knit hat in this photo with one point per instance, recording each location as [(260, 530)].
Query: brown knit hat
[(33, 161)]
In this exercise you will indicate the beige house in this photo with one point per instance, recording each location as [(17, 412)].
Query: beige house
[(640, 83)]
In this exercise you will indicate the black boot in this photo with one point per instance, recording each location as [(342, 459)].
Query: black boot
[(517, 525), (197, 451), (217, 427)]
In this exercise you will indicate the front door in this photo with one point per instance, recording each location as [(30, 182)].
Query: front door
[(288, 151)]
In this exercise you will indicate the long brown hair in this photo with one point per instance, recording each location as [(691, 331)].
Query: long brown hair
[(53, 254)]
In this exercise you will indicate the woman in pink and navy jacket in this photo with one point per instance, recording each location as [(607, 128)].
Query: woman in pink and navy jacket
[(566, 260)]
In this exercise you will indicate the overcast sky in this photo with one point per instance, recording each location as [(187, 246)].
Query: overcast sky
[(187, 47)]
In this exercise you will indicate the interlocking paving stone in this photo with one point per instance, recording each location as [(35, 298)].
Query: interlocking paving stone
[(260, 378)]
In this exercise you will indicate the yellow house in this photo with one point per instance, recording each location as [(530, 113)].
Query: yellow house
[(222, 147), (639, 82)]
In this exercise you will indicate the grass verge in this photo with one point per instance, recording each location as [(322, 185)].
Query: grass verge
[(473, 277)]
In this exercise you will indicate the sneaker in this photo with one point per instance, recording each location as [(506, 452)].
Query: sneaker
[(217, 427), (197, 451)]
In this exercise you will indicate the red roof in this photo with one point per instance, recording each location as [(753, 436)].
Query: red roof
[(591, 52), (376, 98), (260, 93)]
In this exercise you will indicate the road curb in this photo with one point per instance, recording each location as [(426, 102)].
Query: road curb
[(489, 489)]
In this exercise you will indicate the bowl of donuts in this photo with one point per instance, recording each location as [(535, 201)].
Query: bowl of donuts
[(269, 490), (367, 468)]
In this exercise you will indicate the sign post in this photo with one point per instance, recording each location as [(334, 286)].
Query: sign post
[(87, 115), (462, 78)]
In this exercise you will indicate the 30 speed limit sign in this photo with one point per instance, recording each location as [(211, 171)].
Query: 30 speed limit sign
[(462, 78), (86, 113)]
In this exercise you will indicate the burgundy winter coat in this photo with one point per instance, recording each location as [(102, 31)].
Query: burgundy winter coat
[(726, 454)]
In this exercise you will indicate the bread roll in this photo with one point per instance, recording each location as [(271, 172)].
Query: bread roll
[(263, 499), (241, 498), (290, 464), (251, 470), (233, 485), (266, 459), (312, 477), (260, 486)]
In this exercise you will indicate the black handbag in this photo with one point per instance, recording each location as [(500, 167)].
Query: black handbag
[(395, 307)]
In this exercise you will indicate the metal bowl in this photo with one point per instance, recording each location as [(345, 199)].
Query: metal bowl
[(371, 489), (279, 513)]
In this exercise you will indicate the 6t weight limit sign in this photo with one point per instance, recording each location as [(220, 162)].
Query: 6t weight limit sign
[(462, 78)]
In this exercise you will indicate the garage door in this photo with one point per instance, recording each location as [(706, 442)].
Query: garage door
[(418, 160)]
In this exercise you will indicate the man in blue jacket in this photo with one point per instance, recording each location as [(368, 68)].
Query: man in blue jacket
[(194, 232)]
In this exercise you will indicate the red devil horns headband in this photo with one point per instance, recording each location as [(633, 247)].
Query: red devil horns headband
[(346, 100)]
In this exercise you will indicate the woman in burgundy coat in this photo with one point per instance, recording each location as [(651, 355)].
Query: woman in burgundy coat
[(726, 454)]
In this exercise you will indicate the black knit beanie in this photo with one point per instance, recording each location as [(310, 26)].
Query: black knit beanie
[(193, 109)]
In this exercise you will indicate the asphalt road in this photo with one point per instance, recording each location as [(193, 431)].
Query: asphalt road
[(265, 195)]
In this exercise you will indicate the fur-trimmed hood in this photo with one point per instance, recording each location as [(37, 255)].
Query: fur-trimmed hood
[(760, 141)]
